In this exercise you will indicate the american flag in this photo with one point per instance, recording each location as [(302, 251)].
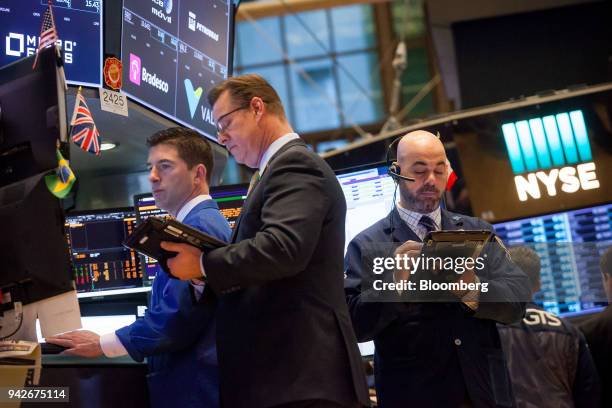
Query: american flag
[(84, 131), (48, 33)]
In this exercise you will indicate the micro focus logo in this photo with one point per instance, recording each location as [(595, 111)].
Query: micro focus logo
[(18, 45), (135, 65), (550, 150)]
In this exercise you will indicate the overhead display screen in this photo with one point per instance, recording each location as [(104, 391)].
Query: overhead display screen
[(79, 27), (173, 53)]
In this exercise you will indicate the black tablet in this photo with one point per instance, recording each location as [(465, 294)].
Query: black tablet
[(148, 236)]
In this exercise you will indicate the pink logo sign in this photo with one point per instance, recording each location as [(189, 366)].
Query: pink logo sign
[(135, 65)]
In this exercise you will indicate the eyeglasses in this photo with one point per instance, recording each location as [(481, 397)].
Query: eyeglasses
[(220, 127)]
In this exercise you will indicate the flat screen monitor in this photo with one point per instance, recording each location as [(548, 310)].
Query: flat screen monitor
[(100, 261), (32, 117), (369, 193), (570, 244), (34, 262), (229, 198), (79, 27), (173, 53)]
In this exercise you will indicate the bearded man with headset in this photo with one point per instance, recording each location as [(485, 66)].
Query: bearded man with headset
[(436, 353)]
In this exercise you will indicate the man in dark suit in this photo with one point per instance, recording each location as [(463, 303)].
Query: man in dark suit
[(598, 332), (284, 333), (436, 353)]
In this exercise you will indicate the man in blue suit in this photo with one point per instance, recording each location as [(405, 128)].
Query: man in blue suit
[(434, 354), (177, 335)]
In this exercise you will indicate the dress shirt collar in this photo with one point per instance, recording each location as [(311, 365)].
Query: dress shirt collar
[(190, 205), (275, 147), (412, 218)]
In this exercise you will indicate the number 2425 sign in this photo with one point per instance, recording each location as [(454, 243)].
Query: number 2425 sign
[(114, 102)]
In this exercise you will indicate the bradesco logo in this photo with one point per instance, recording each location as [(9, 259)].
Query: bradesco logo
[(548, 151), (139, 73)]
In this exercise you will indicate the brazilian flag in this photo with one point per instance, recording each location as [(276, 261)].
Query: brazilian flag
[(60, 183)]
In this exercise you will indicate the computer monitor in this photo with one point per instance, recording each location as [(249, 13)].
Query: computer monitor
[(34, 262), (100, 261), (369, 194), (570, 244), (144, 206), (229, 198), (32, 118), (33, 254)]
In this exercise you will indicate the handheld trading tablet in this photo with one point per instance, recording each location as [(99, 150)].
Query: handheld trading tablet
[(460, 249), (148, 236)]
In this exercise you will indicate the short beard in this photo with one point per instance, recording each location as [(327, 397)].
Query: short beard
[(423, 206)]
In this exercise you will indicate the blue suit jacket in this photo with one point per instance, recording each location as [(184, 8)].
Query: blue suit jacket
[(177, 335), (435, 354)]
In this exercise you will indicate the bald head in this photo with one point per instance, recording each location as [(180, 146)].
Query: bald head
[(421, 155), (419, 143)]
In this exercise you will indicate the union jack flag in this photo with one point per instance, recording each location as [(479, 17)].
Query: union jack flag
[(84, 131), (48, 33)]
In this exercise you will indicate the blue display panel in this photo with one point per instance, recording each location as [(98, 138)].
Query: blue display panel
[(570, 245), (173, 53), (79, 27)]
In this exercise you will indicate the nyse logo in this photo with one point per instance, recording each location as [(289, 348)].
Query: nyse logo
[(18, 45), (548, 151)]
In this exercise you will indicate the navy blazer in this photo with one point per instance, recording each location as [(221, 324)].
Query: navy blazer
[(178, 336), (435, 354)]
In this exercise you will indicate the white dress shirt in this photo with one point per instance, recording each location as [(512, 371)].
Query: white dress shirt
[(274, 147), (109, 343)]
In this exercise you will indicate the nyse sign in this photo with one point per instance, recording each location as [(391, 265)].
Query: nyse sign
[(550, 155)]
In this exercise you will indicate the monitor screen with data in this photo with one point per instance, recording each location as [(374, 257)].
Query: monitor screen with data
[(100, 261), (570, 245)]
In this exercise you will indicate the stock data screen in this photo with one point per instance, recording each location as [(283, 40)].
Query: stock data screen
[(173, 53), (100, 261), (570, 245), (79, 27), (145, 207), (229, 199), (369, 198)]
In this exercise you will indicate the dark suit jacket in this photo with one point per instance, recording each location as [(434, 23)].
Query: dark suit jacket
[(598, 333), (178, 336), (283, 329), (435, 354)]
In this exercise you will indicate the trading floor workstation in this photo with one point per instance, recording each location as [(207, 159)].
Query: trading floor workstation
[(535, 168)]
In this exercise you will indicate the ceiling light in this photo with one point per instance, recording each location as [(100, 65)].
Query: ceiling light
[(108, 145)]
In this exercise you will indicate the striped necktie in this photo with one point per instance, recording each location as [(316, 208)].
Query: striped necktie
[(427, 223), (254, 180)]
